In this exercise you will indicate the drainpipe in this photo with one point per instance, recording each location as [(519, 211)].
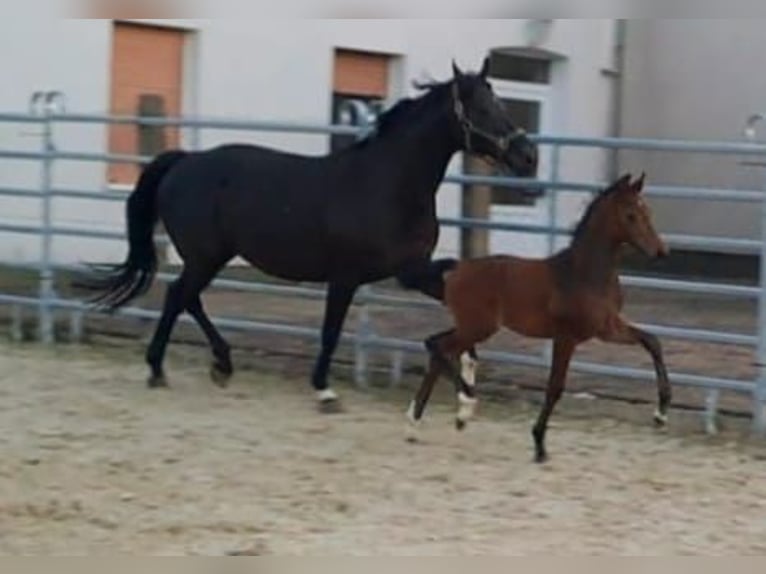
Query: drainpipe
[(616, 73)]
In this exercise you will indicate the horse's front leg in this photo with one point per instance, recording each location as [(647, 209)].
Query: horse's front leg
[(622, 332), (563, 348)]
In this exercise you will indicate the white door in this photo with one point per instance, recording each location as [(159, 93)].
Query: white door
[(529, 105)]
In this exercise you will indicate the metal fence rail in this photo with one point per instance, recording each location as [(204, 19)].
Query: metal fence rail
[(364, 338)]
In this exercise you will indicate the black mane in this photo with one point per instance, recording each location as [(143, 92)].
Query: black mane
[(401, 112)]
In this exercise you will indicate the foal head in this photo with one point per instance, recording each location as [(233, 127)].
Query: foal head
[(628, 219), (484, 124)]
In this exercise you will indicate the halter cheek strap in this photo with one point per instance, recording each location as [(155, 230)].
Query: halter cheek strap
[(470, 130)]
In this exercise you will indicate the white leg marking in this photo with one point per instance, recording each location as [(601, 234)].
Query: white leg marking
[(411, 414), (467, 407), (468, 369), (660, 418), (326, 395), (412, 431), (468, 372)]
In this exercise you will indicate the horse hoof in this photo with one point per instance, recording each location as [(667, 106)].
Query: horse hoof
[(330, 406), (460, 424), (660, 419), (329, 403), (157, 382), (411, 435), (541, 457), (220, 375)]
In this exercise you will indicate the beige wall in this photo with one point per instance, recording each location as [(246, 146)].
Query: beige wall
[(695, 79)]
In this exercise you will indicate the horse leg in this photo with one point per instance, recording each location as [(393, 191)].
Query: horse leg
[(562, 354), (469, 362), (179, 295), (427, 277), (339, 297), (155, 353), (627, 334), (445, 346), (221, 370), (418, 404)]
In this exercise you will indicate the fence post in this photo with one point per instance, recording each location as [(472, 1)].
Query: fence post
[(759, 393), (46, 104), (362, 338), (759, 390)]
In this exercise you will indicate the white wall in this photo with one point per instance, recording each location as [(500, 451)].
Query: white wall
[(696, 79), (273, 70)]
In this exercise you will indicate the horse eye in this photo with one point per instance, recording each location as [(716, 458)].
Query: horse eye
[(631, 217)]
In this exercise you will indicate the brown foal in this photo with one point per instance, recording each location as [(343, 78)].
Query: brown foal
[(570, 297)]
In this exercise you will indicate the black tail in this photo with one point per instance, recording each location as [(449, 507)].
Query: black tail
[(119, 284), (428, 278)]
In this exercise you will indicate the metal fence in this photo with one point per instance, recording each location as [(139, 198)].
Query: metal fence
[(364, 338)]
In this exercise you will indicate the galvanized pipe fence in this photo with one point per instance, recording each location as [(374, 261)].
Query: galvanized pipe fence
[(364, 338)]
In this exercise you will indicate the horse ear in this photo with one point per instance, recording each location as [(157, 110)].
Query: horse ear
[(456, 72), (638, 185), (623, 181), (485, 68)]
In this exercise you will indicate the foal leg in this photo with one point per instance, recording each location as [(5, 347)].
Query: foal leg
[(562, 354), (418, 404), (627, 334), (221, 370), (444, 347), (428, 278), (339, 297)]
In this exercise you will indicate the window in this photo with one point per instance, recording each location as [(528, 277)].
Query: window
[(146, 80), (521, 77), (526, 114), (521, 65), (357, 75), (343, 114)]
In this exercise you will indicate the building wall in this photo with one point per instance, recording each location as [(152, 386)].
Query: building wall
[(695, 79), (273, 70)]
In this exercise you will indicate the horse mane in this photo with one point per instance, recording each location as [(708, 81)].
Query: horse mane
[(401, 112), (582, 225)]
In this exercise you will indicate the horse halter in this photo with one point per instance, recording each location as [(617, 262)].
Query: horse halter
[(501, 143)]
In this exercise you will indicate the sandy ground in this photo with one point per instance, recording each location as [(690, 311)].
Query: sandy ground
[(92, 462)]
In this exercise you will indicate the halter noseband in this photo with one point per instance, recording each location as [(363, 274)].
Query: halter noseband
[(501, 143)]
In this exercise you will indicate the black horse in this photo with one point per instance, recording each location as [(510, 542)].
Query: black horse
[(356, 216)]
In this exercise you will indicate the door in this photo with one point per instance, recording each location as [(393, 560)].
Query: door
[(529, 105), (146, 79)]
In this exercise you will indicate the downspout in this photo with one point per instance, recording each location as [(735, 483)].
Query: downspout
[(616, 73)]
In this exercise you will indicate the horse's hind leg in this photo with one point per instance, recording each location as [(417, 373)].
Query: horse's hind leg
[(155, 352), (180, 294), (222, 369), (444, 348), (428, 278)]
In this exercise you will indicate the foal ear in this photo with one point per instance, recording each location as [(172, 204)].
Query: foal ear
[(638, 185), (623, 181), (456, 71), (484, 68)]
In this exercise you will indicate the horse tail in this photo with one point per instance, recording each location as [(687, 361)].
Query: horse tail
[(119, 284), (428, 277)]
